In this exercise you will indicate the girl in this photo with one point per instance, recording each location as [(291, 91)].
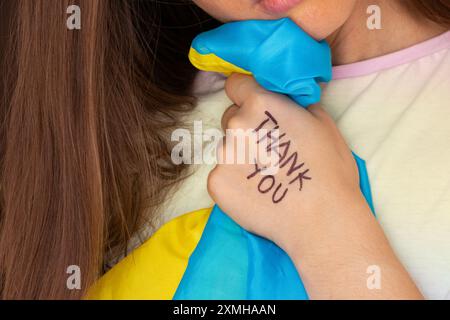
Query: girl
[(87, 117), (389, 99)]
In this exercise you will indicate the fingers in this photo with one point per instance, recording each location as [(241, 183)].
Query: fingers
[(229, 113), (239, 87)]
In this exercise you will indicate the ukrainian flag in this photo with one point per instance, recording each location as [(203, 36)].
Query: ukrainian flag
[(205, 254)]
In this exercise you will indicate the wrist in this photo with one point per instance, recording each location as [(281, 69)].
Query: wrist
[(323, 233)]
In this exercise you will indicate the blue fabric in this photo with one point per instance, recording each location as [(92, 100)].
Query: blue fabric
[(282, 57), (364, 182), (229, 262)]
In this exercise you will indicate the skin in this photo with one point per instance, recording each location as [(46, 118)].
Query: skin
[(342, 23), (332, 266)]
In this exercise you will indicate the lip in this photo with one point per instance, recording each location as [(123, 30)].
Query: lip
[(279, 6)]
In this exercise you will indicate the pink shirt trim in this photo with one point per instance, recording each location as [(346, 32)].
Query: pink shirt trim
[(391, 60)]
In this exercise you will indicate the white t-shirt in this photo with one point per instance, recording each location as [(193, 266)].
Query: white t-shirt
[(394, 112)]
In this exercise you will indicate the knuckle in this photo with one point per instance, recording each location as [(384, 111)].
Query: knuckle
[(256, 100), (231, 83), (229, 113), (235, 122), (214, 181)]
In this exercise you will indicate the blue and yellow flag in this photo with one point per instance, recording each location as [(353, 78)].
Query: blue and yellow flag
[(205, 254)]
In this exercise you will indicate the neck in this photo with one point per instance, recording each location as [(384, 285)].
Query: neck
[(354, 41)]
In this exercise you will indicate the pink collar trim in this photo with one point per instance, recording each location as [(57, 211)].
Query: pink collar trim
[(391, 60)]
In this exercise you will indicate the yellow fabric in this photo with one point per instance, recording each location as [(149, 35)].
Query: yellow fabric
[(211, 62), (154, 270)]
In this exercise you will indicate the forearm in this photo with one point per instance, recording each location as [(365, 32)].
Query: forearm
[(339, 250)]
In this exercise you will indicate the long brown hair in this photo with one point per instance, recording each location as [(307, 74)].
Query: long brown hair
[(85, 120), (85, 117), (437, 11)]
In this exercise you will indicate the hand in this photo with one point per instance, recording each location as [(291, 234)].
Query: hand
[(311, 206), (317, 173)]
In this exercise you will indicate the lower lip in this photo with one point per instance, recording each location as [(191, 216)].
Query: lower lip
[(279, 6)]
